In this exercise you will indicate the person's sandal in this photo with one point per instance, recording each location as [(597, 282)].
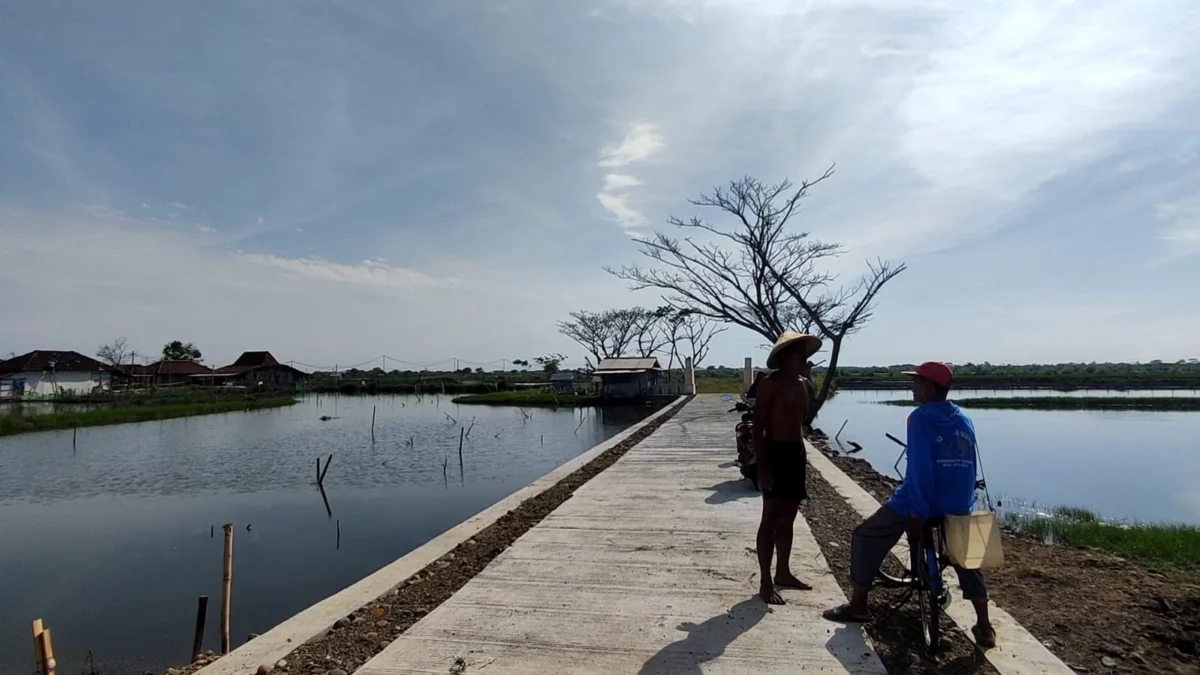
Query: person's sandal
[(984, 640), (843, 614)]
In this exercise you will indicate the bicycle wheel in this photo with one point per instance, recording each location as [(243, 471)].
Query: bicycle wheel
[(927, 596)]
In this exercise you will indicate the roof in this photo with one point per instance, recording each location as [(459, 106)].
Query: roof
[(624, 364), (642, 371), (40, 360), (255, 360), (177, 367), (562, 377), (249, 361)]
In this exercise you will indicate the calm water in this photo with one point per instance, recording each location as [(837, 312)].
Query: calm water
[(1138, 465), (110, 542)]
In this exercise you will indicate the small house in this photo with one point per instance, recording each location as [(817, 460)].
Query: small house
[(626, 377), (48, 373), (563, 383), (257, 369), (169, 372)]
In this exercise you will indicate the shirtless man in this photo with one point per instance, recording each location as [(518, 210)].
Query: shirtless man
[(778, 435)]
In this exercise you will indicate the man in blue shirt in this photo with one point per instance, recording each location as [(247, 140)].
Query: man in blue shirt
[(939, 480)]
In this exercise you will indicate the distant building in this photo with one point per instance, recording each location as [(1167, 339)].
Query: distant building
[(169, 372), (257, 368), (46, 373), (563, 383), (627, 377)]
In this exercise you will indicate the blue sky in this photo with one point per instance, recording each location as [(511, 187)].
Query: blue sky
[(337, 180)]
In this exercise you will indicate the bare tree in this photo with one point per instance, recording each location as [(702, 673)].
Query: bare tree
[(756, 272), (733, 283), (114, 353), (842, 311), (698, 331), (604, 334), (651, 330)]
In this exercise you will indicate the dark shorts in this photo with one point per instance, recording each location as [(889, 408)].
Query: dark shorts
[(788, 464), (874, 539)]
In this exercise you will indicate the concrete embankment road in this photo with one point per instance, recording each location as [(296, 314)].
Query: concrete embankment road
[(648, 568)]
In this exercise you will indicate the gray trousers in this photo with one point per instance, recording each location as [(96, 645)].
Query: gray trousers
[(874, 539)]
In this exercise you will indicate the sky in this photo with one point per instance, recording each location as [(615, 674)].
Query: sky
[(333, 181)]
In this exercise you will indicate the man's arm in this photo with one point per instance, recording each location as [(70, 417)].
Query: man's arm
[(762, 406), (918, 475)]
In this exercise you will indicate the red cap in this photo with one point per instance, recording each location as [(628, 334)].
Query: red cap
[(934, 371)]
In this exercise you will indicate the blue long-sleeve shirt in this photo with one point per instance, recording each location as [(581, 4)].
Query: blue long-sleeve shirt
[(940, 476)]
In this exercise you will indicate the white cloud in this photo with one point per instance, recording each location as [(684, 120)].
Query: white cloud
[(641, 142), (620, 181), (180, 207), (367, 273), (261, 220)]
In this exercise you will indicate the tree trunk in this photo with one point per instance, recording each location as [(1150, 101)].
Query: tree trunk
[(835, 351)]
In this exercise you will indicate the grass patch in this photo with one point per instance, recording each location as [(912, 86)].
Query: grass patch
[(1170, 547), (718, 385), (1163, 403), (10, 424), (531, 398)]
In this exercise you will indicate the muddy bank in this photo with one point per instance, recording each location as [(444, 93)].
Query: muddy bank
[(356, 638), (1097, 612)]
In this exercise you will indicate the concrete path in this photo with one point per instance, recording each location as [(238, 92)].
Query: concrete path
[(649, 568)]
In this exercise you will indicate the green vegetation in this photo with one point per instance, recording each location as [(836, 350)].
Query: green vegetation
[(1161, 403), (531, 397), (718, 385), (12, 424), (464, 381), (1174, 548), (1183, 374)]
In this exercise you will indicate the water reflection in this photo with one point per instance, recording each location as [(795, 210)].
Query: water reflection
[(111, 543)]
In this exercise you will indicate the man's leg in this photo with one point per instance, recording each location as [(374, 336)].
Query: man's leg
[(788, 509), (766, 546), (974, 588), (873, 539)]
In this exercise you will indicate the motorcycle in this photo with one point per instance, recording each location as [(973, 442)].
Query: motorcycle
[(743, 435)]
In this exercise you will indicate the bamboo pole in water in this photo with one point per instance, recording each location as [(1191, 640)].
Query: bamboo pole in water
[(38, 662), (226, 583), (47, 649), (461, 434), (373, 423)]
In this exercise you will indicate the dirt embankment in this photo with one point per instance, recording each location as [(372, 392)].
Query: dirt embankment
[(1097, 612)]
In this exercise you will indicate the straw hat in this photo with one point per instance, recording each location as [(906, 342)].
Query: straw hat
[(808, 343)]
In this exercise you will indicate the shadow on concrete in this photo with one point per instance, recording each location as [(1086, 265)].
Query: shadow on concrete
[(727, 465), (705, 641), (848, 644), (731, 490)]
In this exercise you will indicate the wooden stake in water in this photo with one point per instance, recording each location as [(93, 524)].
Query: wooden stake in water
[(339, 535), (198, 637), (461, 434), (373, 423), (226, 588), (74, 436)]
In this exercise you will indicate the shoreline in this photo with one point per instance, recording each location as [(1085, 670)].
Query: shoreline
[(351, 638), (1087, 606), (15, 425), (533, 399)]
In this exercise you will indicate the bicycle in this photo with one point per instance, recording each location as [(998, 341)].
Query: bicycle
[(923, 577)]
